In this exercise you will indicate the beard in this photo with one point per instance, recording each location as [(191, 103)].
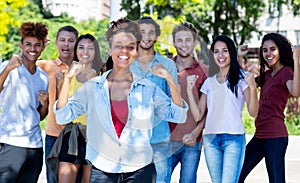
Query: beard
[(184, 55), (147, 46)]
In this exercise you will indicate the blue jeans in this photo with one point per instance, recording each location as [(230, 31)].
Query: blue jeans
[(273, 150), (224, 155), (162, 161), (49, 142), (189, 157), (143, 175)]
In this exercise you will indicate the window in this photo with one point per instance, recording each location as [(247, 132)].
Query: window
[(284, 33)]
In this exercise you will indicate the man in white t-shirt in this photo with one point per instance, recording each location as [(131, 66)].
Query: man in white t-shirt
[(24, 103)]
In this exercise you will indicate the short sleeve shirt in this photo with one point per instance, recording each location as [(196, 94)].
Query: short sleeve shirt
[(19, 118), (179, 130), (51, 67), (273, 98), (224, 108)]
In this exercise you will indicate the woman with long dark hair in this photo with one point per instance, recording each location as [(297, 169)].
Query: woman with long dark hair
[(279, 79), (222, 100), (71, 143)]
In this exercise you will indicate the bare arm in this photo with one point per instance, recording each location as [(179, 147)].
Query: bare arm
[(190, 139), (294, 85), (198, 110), (75, 68), (242, 51), (59, 76), (44, 100), (160, 71), (14, 62), (251, 95)]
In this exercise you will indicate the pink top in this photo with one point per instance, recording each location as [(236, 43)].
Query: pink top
[(273, 98), (119, 113)]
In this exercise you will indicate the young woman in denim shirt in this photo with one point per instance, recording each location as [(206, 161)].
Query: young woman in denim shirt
[(120, 111)]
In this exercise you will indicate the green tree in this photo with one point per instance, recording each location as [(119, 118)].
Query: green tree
[(236, 18), (32, 12), (132, 8), (276, 5), (295, 4), (45, 12), (8, 18)]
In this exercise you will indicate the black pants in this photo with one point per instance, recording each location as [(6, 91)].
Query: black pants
[(273, 150), (143, 175), (19, 164)]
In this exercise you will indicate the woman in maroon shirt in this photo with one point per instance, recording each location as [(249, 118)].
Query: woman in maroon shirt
[(279, 79)]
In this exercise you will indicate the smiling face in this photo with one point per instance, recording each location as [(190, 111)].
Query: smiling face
[(31, 49), (123, 50), (221, 55), (148, 36), (86, 51), (184, 43), (270, 53), (65, 43)]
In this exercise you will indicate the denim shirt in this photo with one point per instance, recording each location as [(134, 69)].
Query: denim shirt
[(132, 150), (161, 131)]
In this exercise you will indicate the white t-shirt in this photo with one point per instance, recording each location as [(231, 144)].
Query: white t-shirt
[(19, 119), (224, 109)]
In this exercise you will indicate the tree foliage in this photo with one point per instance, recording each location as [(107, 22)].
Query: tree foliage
[(132, 7), (8, 9), (295, 4), (235, 18), (45, 12), (32, 12)]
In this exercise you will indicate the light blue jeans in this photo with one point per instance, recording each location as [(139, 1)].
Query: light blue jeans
[(224, 155), (162, 161), (189, 157)]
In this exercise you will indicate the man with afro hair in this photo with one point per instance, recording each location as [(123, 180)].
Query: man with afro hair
[(24, 103)]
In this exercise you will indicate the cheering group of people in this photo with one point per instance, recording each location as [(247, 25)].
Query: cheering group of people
[(137, 116)]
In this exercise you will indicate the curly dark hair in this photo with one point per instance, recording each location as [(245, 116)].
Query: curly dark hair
[(123, 25), (235, 71), (31, 29), (285, 53)]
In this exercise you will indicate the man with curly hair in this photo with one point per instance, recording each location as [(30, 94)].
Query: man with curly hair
[(24, 103)]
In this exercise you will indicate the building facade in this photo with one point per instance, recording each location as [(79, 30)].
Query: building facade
[(282, 21), (79, 9)]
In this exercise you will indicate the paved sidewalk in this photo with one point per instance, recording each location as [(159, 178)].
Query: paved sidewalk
[(258, 174)]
